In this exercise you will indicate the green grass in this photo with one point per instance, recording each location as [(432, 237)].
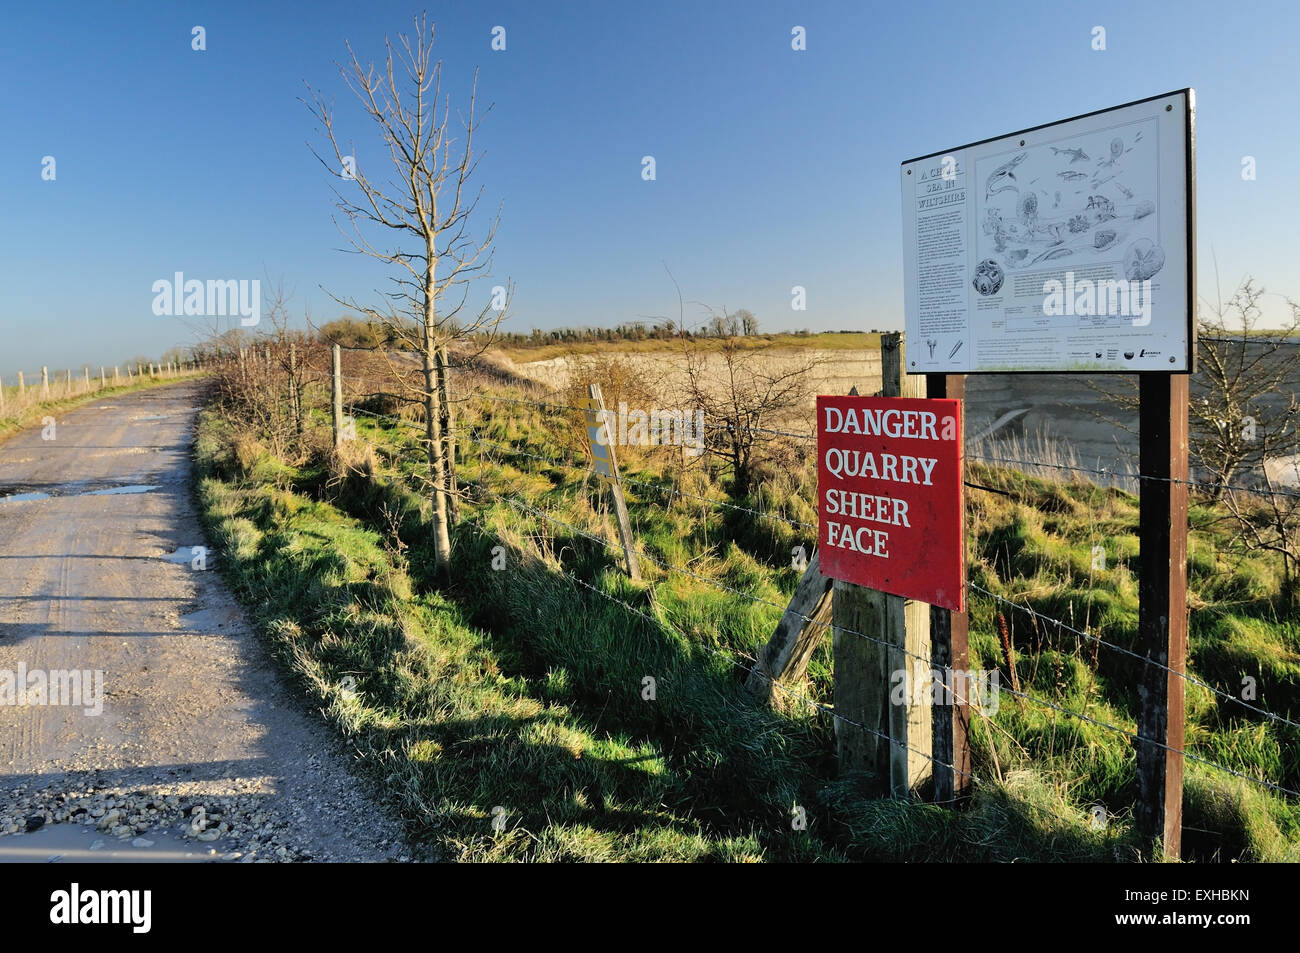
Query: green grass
[(518, 688), (459, 726)]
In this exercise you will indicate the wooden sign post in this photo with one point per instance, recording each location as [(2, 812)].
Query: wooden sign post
[(950, 650), (1162, 606), (907, 461), (602, 453)]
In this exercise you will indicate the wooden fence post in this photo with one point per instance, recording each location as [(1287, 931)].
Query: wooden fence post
[(295, 407), (950, 650), (1162, 606), (602, 450), (22, 389), (448, 437), (865, 671), (336, 391), (784, 659), (45, 382)]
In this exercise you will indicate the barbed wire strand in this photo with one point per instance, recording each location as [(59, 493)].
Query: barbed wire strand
[(1129, 652), (1122, 475)]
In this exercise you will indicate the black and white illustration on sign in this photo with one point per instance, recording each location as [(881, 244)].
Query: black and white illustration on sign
[(1063, 248), (1087, 201)]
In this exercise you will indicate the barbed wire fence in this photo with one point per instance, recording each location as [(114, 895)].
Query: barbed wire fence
[(23, 390), (362, 392)]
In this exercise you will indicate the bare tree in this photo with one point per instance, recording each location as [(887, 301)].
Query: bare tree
[(1247, 411), (1269, 521), (421, 213), (743, 391), (1244, 410)]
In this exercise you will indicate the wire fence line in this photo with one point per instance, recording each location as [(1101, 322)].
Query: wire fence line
[(1110, 472), (672, 491), (573, 465), (752, 665), (739, 660), (1146, 660), (524, 507), (982, 458), (946, 670)]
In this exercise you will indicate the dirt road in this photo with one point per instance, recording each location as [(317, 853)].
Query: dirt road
[(197, 747)]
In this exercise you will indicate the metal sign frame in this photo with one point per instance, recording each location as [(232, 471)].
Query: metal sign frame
[(1189, 176)]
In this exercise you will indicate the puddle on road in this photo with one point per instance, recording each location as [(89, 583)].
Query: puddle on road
[(75, 844), (74, 489), (183, 412), (24, 497), (121, 490)]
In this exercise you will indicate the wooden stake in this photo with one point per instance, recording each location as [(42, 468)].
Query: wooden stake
[(949, 635), (294, 407), (784, 659), (336, 397), (1162, 606), (607, 466)]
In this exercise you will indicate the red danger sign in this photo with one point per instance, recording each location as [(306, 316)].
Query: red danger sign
[(889, 496)]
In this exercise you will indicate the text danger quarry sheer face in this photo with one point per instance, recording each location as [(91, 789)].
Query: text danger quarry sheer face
[(889, 496)]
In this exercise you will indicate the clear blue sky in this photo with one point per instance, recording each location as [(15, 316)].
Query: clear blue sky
[(775, 168)]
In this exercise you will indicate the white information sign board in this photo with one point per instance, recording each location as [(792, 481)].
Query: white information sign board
[(1063, 248)]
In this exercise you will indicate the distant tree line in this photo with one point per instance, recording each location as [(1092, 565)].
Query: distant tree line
[(350, 332), (733, 324)]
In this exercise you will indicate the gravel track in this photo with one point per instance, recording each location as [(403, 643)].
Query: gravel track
[(198, 743)]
